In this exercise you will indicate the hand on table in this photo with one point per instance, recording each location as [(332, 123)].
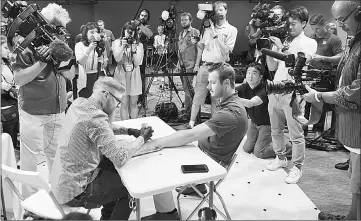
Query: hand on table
[(146, 133)]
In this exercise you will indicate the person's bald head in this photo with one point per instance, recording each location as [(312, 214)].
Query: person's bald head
[(344, 12)]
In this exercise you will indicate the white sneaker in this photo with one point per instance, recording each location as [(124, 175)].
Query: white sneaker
[(276, 164), (293, 176)]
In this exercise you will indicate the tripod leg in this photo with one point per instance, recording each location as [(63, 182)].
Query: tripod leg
[(144, 101), (171, 82)]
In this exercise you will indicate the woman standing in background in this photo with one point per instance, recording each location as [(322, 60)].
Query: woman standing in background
[(128, 53)]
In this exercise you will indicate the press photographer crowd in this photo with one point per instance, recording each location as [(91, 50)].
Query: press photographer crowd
[(60, 96)]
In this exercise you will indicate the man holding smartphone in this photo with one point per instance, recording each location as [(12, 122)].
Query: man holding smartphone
[(219, 137)]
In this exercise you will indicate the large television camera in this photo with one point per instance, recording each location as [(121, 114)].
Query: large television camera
[(168, 21), (269, 23), (320, 80), (206, 13), (27, 27)]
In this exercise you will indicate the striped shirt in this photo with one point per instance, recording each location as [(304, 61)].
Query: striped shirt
[(87, 136), (348, 95)]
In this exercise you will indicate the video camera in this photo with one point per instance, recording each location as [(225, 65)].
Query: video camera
[(206, 13), (320, 80), (168, 21), (269, 23), (29, 26)]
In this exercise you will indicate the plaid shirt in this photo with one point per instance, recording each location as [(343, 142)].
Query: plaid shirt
[(87, 136)]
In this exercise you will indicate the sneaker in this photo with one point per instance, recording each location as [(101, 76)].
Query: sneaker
[(327, 216), (293, 176), (276, 164), (162, 216), (343, 166)]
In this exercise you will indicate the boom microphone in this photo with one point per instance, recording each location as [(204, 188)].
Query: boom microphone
[(288, 59)]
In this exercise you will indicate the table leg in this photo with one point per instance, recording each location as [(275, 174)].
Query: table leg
[(137, 210), (211, 187)]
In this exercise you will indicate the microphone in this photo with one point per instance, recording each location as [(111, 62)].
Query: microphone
[(60, 50), (288, 59)]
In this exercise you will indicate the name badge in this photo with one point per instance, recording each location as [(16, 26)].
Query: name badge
[(324, 42), (128, 67)]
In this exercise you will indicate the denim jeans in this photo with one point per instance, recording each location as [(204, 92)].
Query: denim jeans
[(259, 141), (281, 114), (105, 190)]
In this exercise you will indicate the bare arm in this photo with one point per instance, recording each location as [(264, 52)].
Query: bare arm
[(333, 59), (26, 75), (199, 53), (146, 30), (255, 101), (184, 137), (118, 50)]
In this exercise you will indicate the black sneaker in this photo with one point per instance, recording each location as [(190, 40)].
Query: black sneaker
[(327, 216), (343, 166)]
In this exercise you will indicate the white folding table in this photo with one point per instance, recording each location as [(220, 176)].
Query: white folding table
[(160, 172)]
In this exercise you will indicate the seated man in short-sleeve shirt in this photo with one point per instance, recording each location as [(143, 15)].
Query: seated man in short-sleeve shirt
[(219, 137)]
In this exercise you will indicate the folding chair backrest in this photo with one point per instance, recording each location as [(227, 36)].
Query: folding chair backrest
[(234, 157), (25, 177)]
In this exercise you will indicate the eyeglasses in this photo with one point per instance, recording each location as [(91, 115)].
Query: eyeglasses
[(343, 21), (117, 99)]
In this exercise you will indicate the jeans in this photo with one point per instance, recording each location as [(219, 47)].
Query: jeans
[(281, 113), (39, 135), (105, 190), (187, 98), (259, 141)]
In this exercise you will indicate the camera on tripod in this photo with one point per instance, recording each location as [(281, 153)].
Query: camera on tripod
[(32, 29), (168, 21), (320, 80), (206, 13)]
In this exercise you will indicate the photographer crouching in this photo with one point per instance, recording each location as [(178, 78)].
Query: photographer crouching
[(279, 104), (347, 98), (42, 94)]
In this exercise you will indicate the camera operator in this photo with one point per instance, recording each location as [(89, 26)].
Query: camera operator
[(329, 46), (279, 104), (256, 32), (9, 103), (42, 98), (347, 98), (215, 46), (145, 34), (87, 56), (187, 54), (328, 54), (128, 52), (108, 39)]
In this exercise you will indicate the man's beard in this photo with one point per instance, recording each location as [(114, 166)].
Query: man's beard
[(187, 26)]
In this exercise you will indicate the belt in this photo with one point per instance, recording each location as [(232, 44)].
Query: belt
[(206, 62)]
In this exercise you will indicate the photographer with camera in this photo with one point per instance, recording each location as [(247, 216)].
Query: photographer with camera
[(86, 53), (144, 34), (108, 39), (187, 55), (42, 96), (279, 104), (328, 54), (128, 52), (215, 46), (9, 102), (255, 27), (347, 98)]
